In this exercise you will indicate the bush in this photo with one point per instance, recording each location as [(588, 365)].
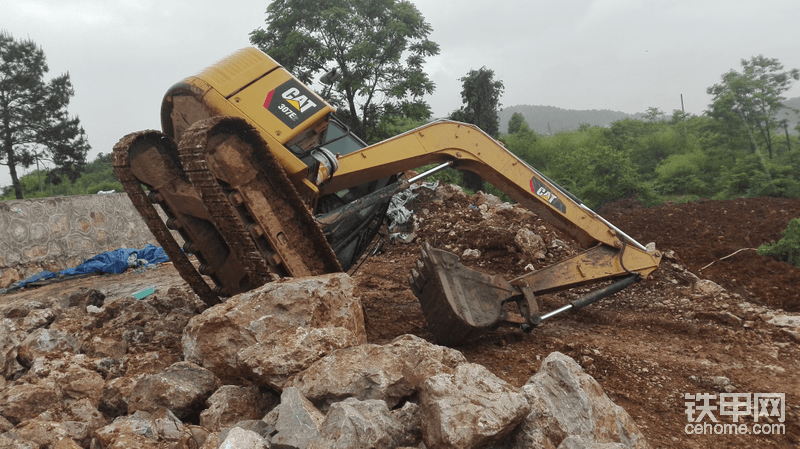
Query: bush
[(786, 249)]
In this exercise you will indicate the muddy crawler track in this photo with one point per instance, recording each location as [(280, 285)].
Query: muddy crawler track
[(303, 249), (147, 210), (192, 152)]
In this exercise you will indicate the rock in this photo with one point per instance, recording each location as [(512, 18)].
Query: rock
[(37, 319), (580, 442), (215, 338), (75, 421), (369, 371), (49, 383), (11, 442), (258, 426), (182, 388), (481, 198), (116, 392), (530, 244), (231, 404), (138, 423), (85, 297), (708, 288), (45, 342), (277, 357), (360, 424), (42, 433), (66, 443), (298, 421), (10, 338), (148, 363), (241, 438), (447, 192), (471, 254), (10, 276), (469, 408), (104, 347), (721, 317), (785, 321), (566, 402)]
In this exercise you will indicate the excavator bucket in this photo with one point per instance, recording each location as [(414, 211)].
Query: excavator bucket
[(459, 304)]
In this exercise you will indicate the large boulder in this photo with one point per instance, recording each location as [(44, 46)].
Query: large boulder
[(389, 372), (271, 361), (364, 424), (296, 420), (146, 430), (44, 343), (231, 404), (182, 388), (469, 408), (49, 383), (566, 402), (216, 338), (10, 338)]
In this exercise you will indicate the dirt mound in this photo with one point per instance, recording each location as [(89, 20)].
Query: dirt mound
[(705, 232), (649, 345)]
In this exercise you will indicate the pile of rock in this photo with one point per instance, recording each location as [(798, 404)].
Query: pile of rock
[(283, 366)]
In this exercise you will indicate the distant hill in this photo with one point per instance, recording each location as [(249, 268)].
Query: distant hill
[(550, 119)]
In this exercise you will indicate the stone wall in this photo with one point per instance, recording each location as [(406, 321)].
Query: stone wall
[(60, 232)]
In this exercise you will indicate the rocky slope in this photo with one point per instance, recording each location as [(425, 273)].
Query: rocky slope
[(346, 361)]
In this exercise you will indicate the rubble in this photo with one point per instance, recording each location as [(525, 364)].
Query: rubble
[(101, 370)]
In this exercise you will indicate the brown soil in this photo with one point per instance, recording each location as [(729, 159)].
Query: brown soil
[(647, 346)]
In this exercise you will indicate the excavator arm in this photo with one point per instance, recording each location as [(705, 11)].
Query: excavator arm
[(460, 303)]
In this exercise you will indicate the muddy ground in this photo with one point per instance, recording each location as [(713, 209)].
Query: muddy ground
[(647, 346)]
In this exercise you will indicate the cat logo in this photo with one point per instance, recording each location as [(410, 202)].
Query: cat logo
[(542, 191), (293, 103)]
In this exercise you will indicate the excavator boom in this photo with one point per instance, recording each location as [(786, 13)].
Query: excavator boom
[(261, 180)]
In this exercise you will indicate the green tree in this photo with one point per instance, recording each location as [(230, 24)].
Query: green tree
[(480, 95), (34, 123), (377, 47), (754, 96), (517, 123), (787, 249)]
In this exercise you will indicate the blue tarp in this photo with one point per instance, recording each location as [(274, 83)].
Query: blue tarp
[(116, 261)]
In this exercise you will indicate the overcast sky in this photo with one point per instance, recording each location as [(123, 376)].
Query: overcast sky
[(624, 55)]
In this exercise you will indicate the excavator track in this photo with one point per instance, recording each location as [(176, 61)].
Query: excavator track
[(133, 187), (252, 202)]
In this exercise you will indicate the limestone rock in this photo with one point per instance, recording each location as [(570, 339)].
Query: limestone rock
[(143, 429), (297, 422), (469, 408), (45, 342), (388, 372), (10, 338), (231, 404), (708, 288), (450, 191), (76, 421), (116, 392), (530, 243), (567, 402), (360, 424), (241, 438), (182, 388), (49, 383), (85, 297), (271, 361), (11, 442), (215, 338), (10, 276)]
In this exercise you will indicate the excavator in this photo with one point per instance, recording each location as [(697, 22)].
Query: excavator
[(262, 181)]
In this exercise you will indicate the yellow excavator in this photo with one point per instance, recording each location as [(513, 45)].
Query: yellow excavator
[(262, 181)]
